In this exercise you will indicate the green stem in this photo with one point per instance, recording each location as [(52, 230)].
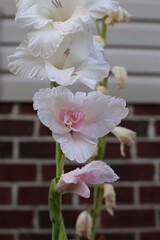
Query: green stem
[(98, 28), (104, 31), (54, 198)]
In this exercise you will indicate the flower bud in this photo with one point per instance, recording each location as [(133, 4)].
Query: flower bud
[(84, 225), (120, 75), (110, 198), (119, 16), (102, 89), (99, 39), (125, 136)]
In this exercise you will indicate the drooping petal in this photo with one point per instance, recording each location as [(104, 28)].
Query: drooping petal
[(97, 172), (44, 42), (79, 188), (22, 63), (76, 147)]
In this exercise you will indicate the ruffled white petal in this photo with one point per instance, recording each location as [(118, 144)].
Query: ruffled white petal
[(92, 71), (44, 42), (22, 63), (76, 146), (62, 77), (33, 18)]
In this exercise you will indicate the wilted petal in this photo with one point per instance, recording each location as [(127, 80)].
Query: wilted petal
[(84, 225), (110, 198)]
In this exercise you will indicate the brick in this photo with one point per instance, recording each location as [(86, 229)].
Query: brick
[(11, 219), (44, 131), (26, 108), (35, 236), (140, 127), (6, 237), (124, 195), (6, 149), (148, 149), (48, 172), (157, 128), (128, 219), (33, 196), (120, 236), (150, 194), (69, 216), (37, 150), (17, 172), (16, 128), (150, 235), (5, 108), (113, 151), (5, 195), (147, 109), (134, 172)]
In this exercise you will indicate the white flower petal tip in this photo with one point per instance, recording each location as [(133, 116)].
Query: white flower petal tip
[(109, 198), (125, 136), (120, 16), (96, 172), (73, 120), (84, 225), (120, 75)]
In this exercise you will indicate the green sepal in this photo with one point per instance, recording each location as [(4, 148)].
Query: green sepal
[(54, 198)]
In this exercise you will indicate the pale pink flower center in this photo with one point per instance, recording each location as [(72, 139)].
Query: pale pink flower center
[(73, 119)]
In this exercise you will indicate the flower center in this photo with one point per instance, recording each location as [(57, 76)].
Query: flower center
[(73, 119), (57, 3)]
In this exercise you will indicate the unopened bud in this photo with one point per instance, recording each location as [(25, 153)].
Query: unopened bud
[(110, 198), (84, 225), (120, 75)]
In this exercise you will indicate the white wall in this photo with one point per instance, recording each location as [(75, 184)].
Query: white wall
[(134, 45)]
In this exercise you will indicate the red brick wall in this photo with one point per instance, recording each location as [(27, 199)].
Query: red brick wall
[(27, 164)]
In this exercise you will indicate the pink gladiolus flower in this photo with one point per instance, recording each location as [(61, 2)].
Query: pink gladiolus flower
[(96, 172), (77, 121)]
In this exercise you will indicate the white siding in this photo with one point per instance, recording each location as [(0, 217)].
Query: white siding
[(135, 45)]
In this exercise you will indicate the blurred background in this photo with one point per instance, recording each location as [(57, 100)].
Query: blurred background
[(27, 149)]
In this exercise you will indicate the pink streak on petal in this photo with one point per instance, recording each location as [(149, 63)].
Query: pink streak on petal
[(72, 118)]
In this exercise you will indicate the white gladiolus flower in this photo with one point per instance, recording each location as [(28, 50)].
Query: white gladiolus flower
[(84, 225), (120, 75), (49, 21), (109, 198), (125, 136), (120, 16), (77, 121), (78, 58)]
